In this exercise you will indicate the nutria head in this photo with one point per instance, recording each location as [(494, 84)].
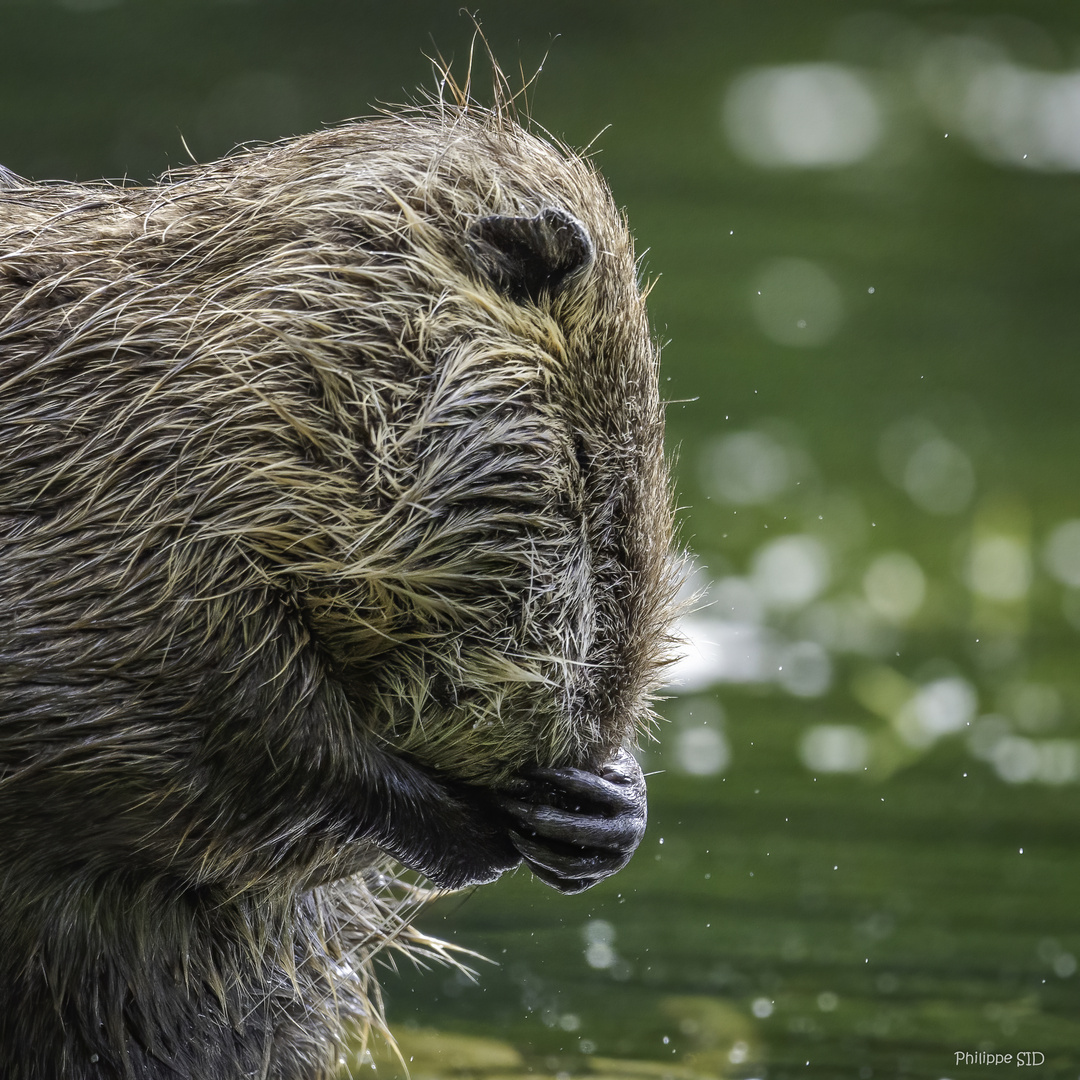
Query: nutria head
[(399, 374)]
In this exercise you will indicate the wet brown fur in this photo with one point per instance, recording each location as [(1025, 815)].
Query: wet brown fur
[(283, 475)]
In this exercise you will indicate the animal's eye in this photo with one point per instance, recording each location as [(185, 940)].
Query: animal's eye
[(581, 453)]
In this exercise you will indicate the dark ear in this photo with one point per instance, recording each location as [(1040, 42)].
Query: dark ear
[(524, 257)]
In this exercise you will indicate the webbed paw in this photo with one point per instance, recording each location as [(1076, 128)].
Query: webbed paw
[(574, 827)]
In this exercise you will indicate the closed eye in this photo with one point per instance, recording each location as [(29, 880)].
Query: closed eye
[(584, 461)]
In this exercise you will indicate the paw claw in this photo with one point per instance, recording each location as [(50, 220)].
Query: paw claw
[(576, 827)]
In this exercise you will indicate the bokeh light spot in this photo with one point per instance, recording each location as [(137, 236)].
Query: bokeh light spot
[(600, 956), (735, 599), (749, 467), (1015, 759), (805, 669), (796, 302), (986, 733), (1061, 555), (999, 568), (1064, 965), (802, 116), (790, 571), (939, 477), (701, 748), (761, 1008), (598, 932), (716, 651), (702, 751), (1036, 706), (1059, 761), (834, 748), (941, 707), (895, 586)]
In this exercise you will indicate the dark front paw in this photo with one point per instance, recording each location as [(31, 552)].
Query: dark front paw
[(575, 828), (454, 834)]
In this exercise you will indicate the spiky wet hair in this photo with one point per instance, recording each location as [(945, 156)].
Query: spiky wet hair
[(344, 372), (349, 440)]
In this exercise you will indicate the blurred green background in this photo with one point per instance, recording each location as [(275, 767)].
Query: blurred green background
[(862, 856)]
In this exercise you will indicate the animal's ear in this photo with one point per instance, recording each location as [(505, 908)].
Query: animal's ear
[(525, 257)]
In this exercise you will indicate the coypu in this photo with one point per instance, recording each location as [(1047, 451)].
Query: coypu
[(334, 530)]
